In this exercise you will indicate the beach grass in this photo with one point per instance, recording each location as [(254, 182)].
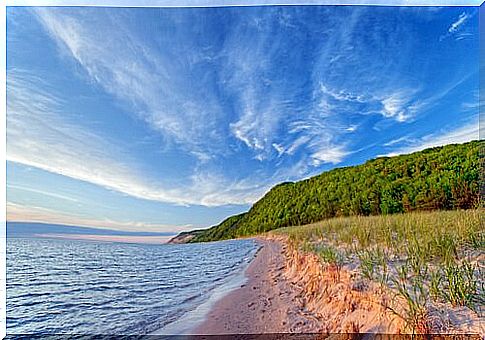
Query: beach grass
[(425, 257)]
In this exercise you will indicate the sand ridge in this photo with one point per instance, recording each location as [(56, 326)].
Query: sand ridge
[(292, 292)]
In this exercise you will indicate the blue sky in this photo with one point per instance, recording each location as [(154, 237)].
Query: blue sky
[(172, 119)]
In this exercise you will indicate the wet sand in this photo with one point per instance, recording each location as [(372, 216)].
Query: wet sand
[(266, 303), (289, 292)]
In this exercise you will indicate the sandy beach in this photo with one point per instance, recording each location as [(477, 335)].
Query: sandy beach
[(289, 292), (266, 303)]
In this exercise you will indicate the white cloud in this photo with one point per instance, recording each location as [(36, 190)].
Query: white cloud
[(397, 141), (279, 148), (329, 154), (318, 138), (251, 128), (161, 92), (42, 192), (167, 99), (462, 134), (40, 135), (456, 28), (271, 108), (343, 95), (398, 106), (300, 141), (271, 114), (158, 88), (261, 103), (171, 101), (458, 23)]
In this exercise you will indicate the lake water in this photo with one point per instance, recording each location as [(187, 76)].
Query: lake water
[(79, 287)]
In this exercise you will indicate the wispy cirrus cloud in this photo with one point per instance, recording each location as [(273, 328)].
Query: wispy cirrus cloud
[(281, 113), (184, 109), (462, 134), (39, 135), (171, 98), (160, 90), (218, 105), (42, 192), (455, 26), (398, 106)]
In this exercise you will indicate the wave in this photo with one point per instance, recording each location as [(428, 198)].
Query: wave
[(113, 288)]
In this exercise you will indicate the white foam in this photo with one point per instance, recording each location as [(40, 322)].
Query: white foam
[(186, 324)]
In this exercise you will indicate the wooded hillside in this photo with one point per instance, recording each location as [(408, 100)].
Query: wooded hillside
[(438, 178)]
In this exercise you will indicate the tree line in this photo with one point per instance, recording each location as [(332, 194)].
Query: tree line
[(443, 178)]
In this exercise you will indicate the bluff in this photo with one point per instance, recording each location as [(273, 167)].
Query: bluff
[(440, 178)]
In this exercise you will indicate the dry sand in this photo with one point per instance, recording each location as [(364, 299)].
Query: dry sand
[(267, 303), (290, 292)]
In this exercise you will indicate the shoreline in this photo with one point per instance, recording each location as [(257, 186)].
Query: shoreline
[(285, 291), (266, 303), (186, 324)]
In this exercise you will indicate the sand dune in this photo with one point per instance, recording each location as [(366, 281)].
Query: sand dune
[(290, 292)]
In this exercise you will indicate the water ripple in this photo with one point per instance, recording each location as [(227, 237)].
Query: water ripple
[(76, 287)]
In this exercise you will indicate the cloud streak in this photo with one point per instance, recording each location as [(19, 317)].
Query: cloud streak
[(458, 29), (218, 105), (170, 99), (38, 135), (156, 87), (455, 26), (458, 135), (42, 192)]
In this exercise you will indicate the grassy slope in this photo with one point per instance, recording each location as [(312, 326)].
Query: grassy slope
[(426, 258), (437, 178)]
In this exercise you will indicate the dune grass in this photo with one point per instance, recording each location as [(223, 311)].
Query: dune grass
[(424, 257)]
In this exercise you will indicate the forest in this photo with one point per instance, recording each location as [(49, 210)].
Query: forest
[(440, 178)]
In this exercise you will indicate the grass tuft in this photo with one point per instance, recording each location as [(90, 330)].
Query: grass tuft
[(422, 257)]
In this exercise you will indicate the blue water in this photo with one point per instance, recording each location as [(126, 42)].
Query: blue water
[(78, 287)]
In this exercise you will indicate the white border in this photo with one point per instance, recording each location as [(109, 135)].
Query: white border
[(238, 3), (3, 174), (149, 3)]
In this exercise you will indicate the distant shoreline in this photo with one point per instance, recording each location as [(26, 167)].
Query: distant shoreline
[(37, 230)]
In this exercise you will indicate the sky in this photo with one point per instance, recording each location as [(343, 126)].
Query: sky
[(170, 119)]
